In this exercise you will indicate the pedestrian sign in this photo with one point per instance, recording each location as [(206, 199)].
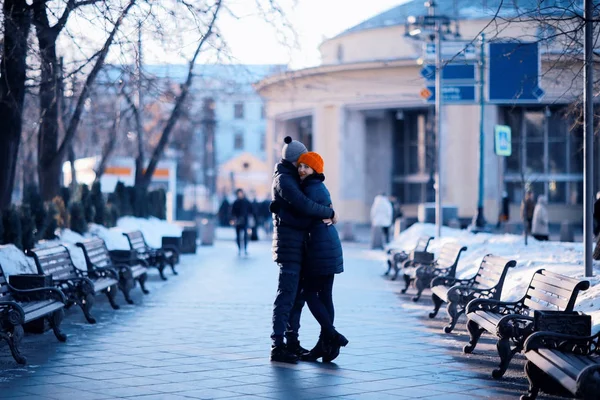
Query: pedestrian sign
[(502, 140)]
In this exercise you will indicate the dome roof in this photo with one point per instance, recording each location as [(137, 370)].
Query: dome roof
[(465, 9)]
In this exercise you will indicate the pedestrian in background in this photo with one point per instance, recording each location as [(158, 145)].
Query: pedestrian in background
[(504, 210), (224, 212), (241, 211), (382, 215), (540, 226), (527, 208)]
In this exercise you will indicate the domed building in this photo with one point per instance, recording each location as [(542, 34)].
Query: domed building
[(364, 109)]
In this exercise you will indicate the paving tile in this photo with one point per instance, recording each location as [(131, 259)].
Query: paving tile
[(208, 394)]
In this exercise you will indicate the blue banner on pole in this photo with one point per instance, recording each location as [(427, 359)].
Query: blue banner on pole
[(454, 94), (451, 72), (514, 71)]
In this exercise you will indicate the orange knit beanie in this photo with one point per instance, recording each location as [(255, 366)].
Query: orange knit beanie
[(313, 160)]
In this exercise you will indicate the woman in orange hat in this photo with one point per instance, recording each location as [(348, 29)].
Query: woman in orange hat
[(323, 259)]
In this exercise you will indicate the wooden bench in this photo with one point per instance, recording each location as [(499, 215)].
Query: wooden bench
[(26, 304), (79, 287), (98, 258), (512, 322), (487, 283), (569, 361), (444, 265), (398, 258), (157, 258)]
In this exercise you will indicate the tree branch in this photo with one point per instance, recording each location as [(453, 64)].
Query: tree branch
[(76, 117), (164, 139)]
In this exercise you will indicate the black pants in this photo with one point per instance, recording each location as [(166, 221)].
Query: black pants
[(318, 292), (386, 233), (239, 231), (286, 299)]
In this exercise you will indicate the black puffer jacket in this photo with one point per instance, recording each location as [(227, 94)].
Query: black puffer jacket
[(292, 214), (323, 246)]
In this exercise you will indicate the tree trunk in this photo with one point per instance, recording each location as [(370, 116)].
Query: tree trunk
[(17, 21), (48, 169), (51, 153)]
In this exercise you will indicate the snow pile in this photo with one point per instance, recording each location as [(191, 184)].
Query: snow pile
[(14, 261), (562, 258), (114, 238), (153, 229)]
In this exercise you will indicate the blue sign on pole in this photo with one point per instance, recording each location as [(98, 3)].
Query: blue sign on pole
[(454, 72), (514, 71), (454, 94)]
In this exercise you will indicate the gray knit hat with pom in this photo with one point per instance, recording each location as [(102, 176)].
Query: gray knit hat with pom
[(292, 150)]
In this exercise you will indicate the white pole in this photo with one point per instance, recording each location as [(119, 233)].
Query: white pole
[(438, 128)]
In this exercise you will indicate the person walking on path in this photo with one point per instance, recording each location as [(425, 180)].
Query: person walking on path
[(241, 211), (539, 226), (323, 259), (288, 205), (527, 209), (382, 214)]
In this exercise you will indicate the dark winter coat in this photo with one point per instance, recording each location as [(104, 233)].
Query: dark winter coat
[(292, 214), (241, 211), (323, 246)]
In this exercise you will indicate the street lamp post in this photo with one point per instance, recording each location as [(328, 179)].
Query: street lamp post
[(434, 27), (588, 134), (439, 211)]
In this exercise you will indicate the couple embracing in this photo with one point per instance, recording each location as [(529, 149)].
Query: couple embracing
[(308, 251)]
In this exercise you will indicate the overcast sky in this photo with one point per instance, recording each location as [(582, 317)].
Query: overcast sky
[(252, 41)]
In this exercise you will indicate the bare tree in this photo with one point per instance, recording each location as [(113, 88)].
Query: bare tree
[(51, 153), (17, 22)]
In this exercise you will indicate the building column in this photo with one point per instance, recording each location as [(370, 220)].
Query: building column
[(354, 166), (327, 141)]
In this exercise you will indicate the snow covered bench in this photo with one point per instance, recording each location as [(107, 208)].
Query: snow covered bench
[(98, 259), (78, 286), (487, 283), (444, 265), (573, 361), (397, 257), (513, 322), (153, 257), (30, 302)]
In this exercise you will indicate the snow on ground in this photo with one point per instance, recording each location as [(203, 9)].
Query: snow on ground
[(113, 237), (563, 258), (14, 261), (153, 229)]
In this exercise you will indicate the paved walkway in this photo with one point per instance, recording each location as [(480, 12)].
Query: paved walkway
[(205, 335)]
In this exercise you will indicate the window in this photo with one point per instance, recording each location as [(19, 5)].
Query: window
[(340, 53), (546, 154), (238, 141), (414, 156), (238, 110)]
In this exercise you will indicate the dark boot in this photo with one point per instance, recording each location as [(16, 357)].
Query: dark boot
[(333, 344), (280, 353), (317, 352), (295, 348)]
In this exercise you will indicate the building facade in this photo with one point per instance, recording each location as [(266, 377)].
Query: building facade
[(363, 110)]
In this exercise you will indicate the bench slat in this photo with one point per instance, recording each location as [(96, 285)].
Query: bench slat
[(553, 285), (571, 363), (558, 302), (553, 370), (534, 305)]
